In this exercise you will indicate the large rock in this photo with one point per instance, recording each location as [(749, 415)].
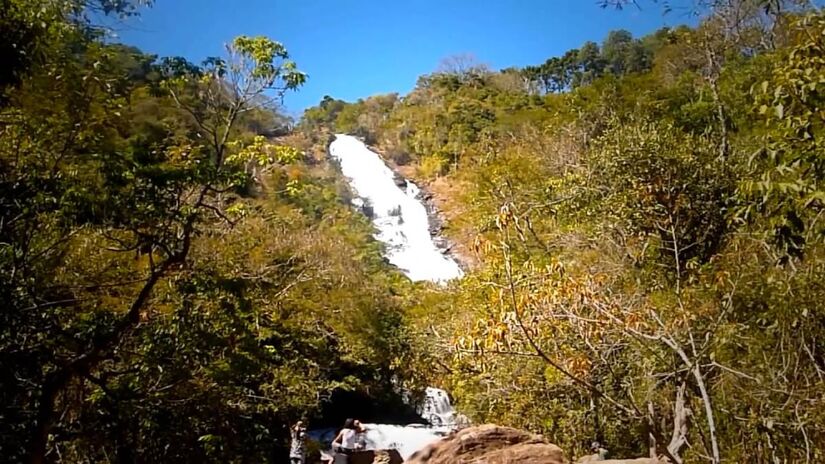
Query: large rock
[(387, 457), (490, 444), (370, 457)]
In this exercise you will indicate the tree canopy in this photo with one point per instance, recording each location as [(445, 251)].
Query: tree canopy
[(176, 284), (183, 274), (643, 219)]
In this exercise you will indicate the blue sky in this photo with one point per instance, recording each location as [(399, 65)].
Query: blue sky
[(357, 48)]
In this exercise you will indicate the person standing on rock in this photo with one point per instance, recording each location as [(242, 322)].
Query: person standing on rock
[(346, 441), (298, 445)]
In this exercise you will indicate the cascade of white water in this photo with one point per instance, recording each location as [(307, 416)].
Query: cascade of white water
[(399, 216), (404, 438), (436, 408), (407, 439), (403, 225)]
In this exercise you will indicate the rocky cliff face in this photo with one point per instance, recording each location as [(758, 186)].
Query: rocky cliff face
[(490, 444)]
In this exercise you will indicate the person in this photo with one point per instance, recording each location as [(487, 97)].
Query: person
[(327, 458), (298, 447), (345, 442), (360, 435)]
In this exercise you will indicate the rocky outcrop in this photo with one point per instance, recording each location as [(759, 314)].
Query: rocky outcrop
[(387, 457), (370, 457), (490, 444)]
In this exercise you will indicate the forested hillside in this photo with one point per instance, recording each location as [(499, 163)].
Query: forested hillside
[(644, 217), (183, 274), (175, 284)]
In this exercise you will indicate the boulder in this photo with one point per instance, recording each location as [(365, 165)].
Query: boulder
[(370, 457), (490, 444), (387, 457)]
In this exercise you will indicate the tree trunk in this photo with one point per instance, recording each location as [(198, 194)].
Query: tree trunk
[(58, 381)]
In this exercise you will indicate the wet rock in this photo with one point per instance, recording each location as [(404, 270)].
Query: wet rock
[(400, 182), (490, 444), (368, 211)]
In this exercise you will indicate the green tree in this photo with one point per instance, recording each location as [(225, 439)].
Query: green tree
[(667, 185), (623, 54), (75, 178), (789, 170), (590, 64)]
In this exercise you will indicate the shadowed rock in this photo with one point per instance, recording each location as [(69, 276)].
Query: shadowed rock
[(371, 457)]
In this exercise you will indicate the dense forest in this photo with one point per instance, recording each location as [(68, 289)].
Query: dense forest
[(175, 284), (183, 276), (643, 223)]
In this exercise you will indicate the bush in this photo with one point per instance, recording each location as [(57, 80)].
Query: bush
[(433, 166)]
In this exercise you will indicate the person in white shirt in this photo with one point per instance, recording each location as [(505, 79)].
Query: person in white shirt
[(345, 442), (351, 438)]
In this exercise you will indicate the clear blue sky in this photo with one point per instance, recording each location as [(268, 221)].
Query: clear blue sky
[(357, 48)]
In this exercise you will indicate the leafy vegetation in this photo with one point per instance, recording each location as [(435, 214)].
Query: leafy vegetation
[(645, 220), (176, 285), (183, 276)]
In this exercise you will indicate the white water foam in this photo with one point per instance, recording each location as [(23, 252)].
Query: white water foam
[(437, 409), (398, 214), (407, 439)]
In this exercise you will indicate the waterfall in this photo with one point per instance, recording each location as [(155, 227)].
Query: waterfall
[(437, 409), (402, 224), (399, 216), (407, 439)]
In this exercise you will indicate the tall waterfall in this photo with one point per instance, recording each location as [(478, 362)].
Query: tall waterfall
[(398, 214), (403, 225)]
